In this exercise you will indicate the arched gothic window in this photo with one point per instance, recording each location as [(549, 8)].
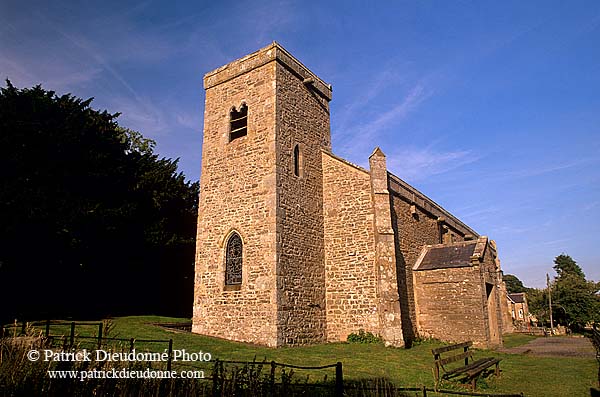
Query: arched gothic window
[(233, 260)]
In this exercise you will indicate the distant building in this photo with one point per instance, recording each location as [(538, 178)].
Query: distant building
[(518, 307), (296, 245)]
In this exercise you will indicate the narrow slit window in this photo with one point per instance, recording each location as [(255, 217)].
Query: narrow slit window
[(442, 233), (297, 161), (233, 260), (238, 122)]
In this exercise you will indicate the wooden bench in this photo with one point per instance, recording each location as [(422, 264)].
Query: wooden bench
[(596, 343), (471, 369)]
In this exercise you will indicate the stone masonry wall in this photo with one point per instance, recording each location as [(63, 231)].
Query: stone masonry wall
[(507, 321), (491, 277), (238, 192), (449, 305), (385, 253), (350, 271), (302, 119), (412, 231)]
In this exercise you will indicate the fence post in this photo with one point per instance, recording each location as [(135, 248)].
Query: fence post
[(99, 336), (424, 391), (131, 342), (339, 380), (170, 354), (23, 328), (272, 378), (47, 328), (72, 338), (216, 379)]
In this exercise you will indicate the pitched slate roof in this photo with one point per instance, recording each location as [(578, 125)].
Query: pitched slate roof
[(453, 255), (517, 297)]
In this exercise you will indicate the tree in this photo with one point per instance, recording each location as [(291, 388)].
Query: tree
[(90, 217), (565, 265), (537, 300), (575, 300), (513, 284), (135, 141)]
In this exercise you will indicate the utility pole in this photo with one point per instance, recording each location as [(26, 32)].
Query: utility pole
[(550, 304)]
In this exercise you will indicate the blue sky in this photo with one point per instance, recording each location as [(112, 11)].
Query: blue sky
[(490, 108)]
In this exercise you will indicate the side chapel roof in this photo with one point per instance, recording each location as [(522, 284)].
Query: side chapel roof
[(452, 255)]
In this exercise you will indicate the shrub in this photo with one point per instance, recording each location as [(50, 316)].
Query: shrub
[(364, 337)]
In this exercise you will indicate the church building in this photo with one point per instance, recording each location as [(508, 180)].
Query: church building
[(297, 246)]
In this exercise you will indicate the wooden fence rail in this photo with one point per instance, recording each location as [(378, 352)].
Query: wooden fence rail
[(217, 375), (99, 338)]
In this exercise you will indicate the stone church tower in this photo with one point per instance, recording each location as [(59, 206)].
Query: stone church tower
[(266, 122), (298, 246)]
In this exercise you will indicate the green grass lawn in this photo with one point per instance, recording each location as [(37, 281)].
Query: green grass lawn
[(514, 340), (535, 376)]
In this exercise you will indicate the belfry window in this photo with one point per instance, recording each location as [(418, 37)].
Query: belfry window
[(238, 122), (233, 260)]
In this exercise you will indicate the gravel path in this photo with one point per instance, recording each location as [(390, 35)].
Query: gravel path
[(556, 346)]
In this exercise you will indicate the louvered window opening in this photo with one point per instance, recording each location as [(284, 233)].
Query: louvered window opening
[(238, 122)]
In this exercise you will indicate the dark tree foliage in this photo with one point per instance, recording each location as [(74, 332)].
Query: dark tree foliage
[(92, 222), (513, 284)]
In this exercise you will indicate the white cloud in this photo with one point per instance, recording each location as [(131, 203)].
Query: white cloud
[(537, 171), (371, 89), (53, 72), (398, 112), (363, 137), (413, 164), (142, 115), (189, 120)]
